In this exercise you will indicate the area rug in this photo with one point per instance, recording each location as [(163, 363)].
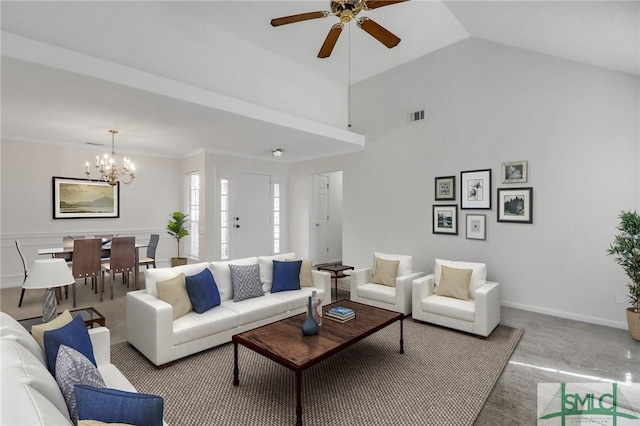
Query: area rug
[(443, 378)]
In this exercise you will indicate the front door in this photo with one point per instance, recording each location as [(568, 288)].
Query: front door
[(250, 214)]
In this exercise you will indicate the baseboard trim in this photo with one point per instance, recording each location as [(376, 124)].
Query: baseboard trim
[(567, 315)]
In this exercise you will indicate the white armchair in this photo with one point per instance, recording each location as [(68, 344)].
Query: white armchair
[(395, 293), (478, 315)]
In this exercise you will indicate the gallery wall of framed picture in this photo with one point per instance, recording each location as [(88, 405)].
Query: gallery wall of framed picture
[(514, 204)]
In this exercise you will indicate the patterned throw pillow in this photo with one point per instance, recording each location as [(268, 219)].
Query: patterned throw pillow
[(73, 368), (246, 282)]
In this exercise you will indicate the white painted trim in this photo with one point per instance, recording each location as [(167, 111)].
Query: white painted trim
[(566, 315)]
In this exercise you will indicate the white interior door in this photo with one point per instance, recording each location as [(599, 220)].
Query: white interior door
[(320, 218), (251, 232)]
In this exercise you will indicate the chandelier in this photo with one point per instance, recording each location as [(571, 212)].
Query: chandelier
[(109, 171)]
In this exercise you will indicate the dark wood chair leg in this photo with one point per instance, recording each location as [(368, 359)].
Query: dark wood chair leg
[(21, 297)]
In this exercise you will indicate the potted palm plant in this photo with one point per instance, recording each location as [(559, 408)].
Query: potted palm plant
[(626, 248), (177, 229)]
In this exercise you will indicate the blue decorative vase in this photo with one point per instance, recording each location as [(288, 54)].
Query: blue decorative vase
[(310, 325)]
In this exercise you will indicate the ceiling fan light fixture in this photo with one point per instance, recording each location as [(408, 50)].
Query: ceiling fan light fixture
[(277, 152)]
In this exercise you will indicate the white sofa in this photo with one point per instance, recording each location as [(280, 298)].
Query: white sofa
[(30, 394), (152, 330), (478, 315)]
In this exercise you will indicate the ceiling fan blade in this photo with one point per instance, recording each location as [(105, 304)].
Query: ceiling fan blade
[(298, 18), (330, 41), (378, 32), (374, 4)]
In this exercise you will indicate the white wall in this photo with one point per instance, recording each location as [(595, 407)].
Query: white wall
[(26, 202), (576, 125)]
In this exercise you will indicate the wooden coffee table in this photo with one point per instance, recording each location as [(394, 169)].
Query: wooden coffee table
[(284, 343)]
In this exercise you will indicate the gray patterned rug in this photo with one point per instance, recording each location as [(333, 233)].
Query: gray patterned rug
[(443, 378)]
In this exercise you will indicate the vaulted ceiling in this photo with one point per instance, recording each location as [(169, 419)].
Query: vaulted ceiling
[(178, 77)]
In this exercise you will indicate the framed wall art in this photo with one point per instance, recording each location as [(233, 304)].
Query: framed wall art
[(445, 188), (514, 172), (476, 228), (445, 219), (515, 205), (475, 189), (81, 198)]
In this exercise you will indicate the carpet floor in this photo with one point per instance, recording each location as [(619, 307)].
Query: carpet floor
[(443, 378)]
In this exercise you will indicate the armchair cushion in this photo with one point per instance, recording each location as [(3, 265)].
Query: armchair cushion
[(454, 283), (449, 307), (380, 293), (406, 262), (385, 272), (478, 276)]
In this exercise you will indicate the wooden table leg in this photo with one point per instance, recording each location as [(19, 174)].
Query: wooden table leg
[(298, 398), (136, 269), (236, 372), (401, 336)]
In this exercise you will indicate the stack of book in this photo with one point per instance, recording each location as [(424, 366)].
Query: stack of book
[(340, 314)]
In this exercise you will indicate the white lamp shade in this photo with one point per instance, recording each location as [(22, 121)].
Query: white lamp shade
[(49, 273)]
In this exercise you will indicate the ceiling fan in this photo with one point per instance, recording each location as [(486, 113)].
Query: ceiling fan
[(346, 10)]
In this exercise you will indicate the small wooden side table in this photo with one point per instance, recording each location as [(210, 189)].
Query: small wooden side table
[(337, 272), (90, 316)]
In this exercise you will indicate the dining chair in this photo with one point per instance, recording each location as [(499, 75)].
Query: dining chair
[(122, 260), (150, 259), (87, 263), (24, 268)]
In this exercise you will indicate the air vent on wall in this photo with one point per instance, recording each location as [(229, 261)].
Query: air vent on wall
[(416, 116)]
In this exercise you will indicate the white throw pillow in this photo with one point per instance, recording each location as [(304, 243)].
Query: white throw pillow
[(266, 268), (406, 262)]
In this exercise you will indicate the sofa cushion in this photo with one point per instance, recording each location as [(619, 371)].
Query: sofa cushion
[(194, 326), (203, 291), (406, 262), (266, 268), (449, 307), (73, 335), (222, 275), (10, 329), (19, 366), (174, 292), (34, 407), (478, 276), (286, 276), (37, 331), (379, 292), (153, 275), (116, 406), (298, 299), (258, 308), (386, 272), (454, 282), (73, 368), (246, 282)]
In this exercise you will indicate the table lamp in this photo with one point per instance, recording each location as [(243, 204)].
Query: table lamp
[(49, 274)]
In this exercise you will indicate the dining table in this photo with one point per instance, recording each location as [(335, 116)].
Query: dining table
[(67, 253)]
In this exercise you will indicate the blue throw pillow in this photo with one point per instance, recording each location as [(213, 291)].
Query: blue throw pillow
[(203, 291), (286, 276), (116, 406), (73, 335)]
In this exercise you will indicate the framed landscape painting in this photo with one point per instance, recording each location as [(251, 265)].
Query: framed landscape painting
[(445, 188), (475, 189), (445, 219), (515, 205), (81, 198)]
